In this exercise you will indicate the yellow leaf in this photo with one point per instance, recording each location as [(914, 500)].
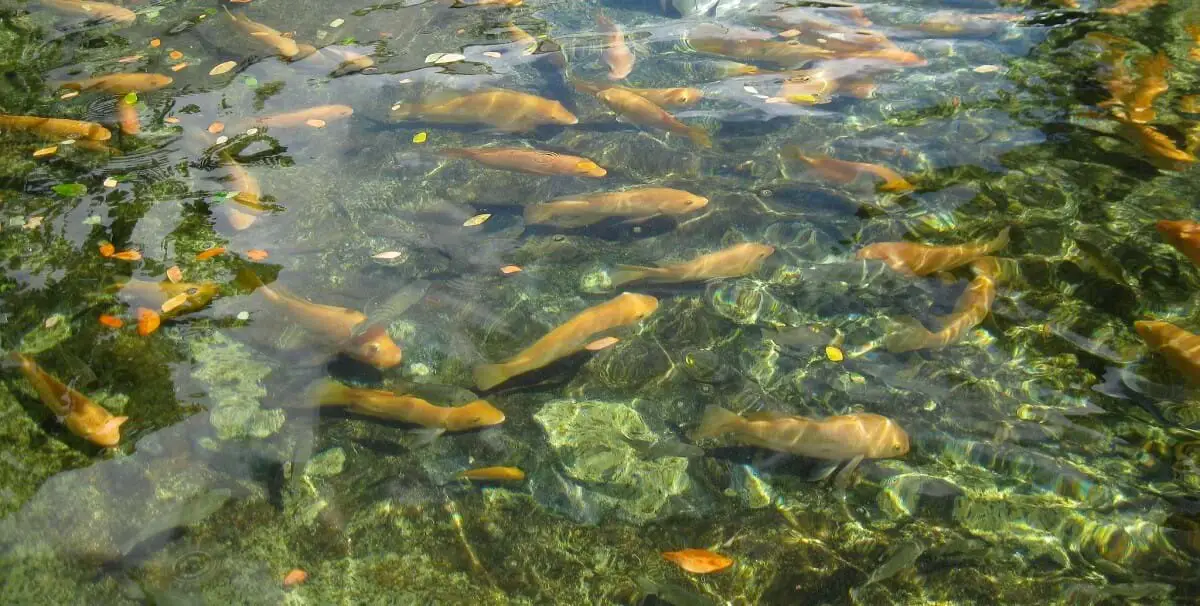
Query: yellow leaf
[(510, 269), (45, 151), (155, 43), (222, 68), (421, 137), (834, 354), (216, 127), (476, 220)]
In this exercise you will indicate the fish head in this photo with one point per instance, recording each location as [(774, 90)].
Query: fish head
[(638, 305), (158, 80), (759, 252), (896, 443), (98, 133), (376, 348), (874, 251), (107, 434), (1153, 332), (685, 96), (683, 203), (474, 415), (559, 114)]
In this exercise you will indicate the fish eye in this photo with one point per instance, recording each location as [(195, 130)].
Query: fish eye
[(192, 291)]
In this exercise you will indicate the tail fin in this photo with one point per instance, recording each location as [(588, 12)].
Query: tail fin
[(248, 280), (625, 274), (717, 421), (700, 137), (999, 242), (909, 335), (488, 376)]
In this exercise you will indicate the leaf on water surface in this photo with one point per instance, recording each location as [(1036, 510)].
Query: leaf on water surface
[(110, 183), (155, 43), (107, 249), (216, 127), (210, 253), (128, 255), (257, 254), (176, 55), (45, 151), (699, 561), (130, 98), (148, 321), (510, 269), (834, 354), (174, 274), (387, 256), (222, 68), (178, 66), (70, 190), (111, 321), (476, 220), (420, 137)]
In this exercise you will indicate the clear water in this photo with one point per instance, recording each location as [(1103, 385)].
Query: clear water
[(1054, 457)]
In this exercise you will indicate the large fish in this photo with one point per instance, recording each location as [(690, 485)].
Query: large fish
[(409, 409), (641, 111), (1183, 235), (639, 203), (922, 259), (1180, 347), (82, 417), (735, 261), (119, 84), (617, 55), (526, 160), (300, 117), (286, 47), (663, 97), (568, 338), (969, 311), (781, 54), (506, 110), (842, 437), (99, 11), (845, 172), (55, 128)]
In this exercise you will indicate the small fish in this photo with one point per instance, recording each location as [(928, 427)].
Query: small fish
[(526, 160), (100, 11), (127, 118), (835, 438), (154, 294), (286, 47), (119, 84), (300, 117), (733, 262), (781, 54), (969, 311), (506, 110), (344, 329), (82, 417), (1134, 99), (56, 128), (493, 474), (698, 561), (922, 259), (1180, 347), (663, 97), (249, 195), (408, 409), (640, 203), (568, 338), (643, 112), (959, 24), (1183, 235), (844, 172), (617, 55)]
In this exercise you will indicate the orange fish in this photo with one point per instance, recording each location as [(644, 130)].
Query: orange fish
[(1160, 149), (1129, 7), (506, 110), (1194, 32), (922, 260), (325, 113), (55, 128), (197, 294), (662, 97), (286, 47), (640, 203), (643, 112), (844, 172), (969, 311), (348, 61), (127, 117), (409, 409), (83, 417), (100, 11), (698, 561), (493, 474), (782, 54), (617, 55), (336, 327), (119, 84), (526, 160), (1135, 98), (959, 24), (1183, 235), (736, 261), (568, 338), (248, 195), (840, 437), (1180, 347)]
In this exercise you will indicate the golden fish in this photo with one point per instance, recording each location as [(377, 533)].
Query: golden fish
[(1129, 7), (870, 436), (266, 35), (844, 172), (643, 112), (55, 128), (958, 24), (127, 117), (337, 327), (119, 84), (1160, 150), (519, 35), (82, 417), (663, 97), (820, 85), (199, 294), (1194, 32), (532, 161), (101, 11), (922, 259), (248, 195), (617, 55), (348, 61), (493, 474), (325, 113), (1135, 98), (1183, 235), (782, 54), (639, 203), (504, 109), (409, 409), (969, 311), (568, 338), (1180, 347), (736, 261)]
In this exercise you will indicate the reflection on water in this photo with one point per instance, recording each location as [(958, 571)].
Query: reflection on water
[(318, 302)]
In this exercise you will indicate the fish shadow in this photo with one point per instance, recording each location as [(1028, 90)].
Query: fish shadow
[(613, 230)]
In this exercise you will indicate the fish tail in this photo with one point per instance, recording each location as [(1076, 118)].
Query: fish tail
[(716, 421), (488, 376), (247, 279), (625, 274), (909, 335), (999, 241), (700, 137), (538, 213)]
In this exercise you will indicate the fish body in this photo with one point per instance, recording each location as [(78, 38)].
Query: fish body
[(1183, 235), (960, 24), (643, 112), (504, 109), (1180, 347), (56, 128), (836, 438), (1160, 149), (736, 261), (100, 11), (845, 172), (286, 47), (326, 113), (82, 417), (617, 55), (409, 409), (663, 97), (127, 118), (199, 294), (782, 54), (568, 338), (249, 195), (532, 161), (120, 84), (493, 474), (969, 311), (922, 260), (1135, 98), (638, 203)]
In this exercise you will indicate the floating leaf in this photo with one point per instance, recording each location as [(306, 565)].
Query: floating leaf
[(440, 58), (750, 89), (176, 55), (699, 561), (599, 344), (174, 302), (178, 66), (110, 183), (510, 269), (420, 137), (216, 127), (987, 69), (476, 220), (171, 120), (111, 321), (296, 576), (174, 274), (336, 22), (46, 151), (210, 253), (250, 132), (315, 123), (222, 68), (148, 321), (34, 222), (834, 354), (155, 43), (130, 98), (107, 249), (387, 256), (257, 254), (70, 190), (128, 255), (789, 33), (69, 94), (492, 54), (222, 139)]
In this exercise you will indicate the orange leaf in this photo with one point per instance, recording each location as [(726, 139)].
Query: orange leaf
[(155, 43), (256, 254), (111, 321), (216, 127), (210, 253), (107, 249), (174, 274), (128, 255), (699, 561), (148, 321), (510, 269), (178, 66), (296, 576), (175, 55)]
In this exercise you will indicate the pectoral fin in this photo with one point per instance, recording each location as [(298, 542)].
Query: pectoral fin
[(425, 437)]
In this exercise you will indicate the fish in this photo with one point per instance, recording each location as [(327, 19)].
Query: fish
[(663, 97), (641, 111), (55, 128), (507, 3), (325, 113), (526, 160), (344, 329), (732, 262), (199, 294), (959, 24), (640, 203), (781, 54), (408, 409), (922, 259), (119, 84), (83, 417), (493, 474), (836, 438), (1129, 7), (821, 84), (1180, 347), (286, 47), (127, 118), (698, 561), (1134, 99), (568, 338), (617, 55), (1160, 149), (100, 11), (969, 311), (845, 172), (348, 61), (1194, 32), (249, 195), (507, 110), (1183, 235)]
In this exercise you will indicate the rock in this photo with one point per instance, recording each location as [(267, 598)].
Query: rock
[(326, 463)]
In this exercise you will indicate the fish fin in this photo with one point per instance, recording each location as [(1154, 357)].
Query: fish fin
[(625, 274), (590, 88), (488, 376), (822, 471), (1000, 241), (842, 480), (908, 335), (538, 213), (425, 437), (896, 185), (700, 137), (716, 421)]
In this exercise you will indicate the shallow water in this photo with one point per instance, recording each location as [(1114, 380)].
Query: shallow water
[(1054, 456)]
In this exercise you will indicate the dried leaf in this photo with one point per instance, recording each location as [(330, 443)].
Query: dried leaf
[(34, 222), (387, 256), (420, 137), (155, 43), (178, 66), (111, 321), (492, 54), (107, 249), (315, 123), (834, 354), (110, 183), (440, 58), (128, 255), (699, 561), (176, 55), (216, 127), (222, 68), (336, 22), (69, 94), (476, 220), (295, 577), (45, 151), (148, 321), (174, 274), (789, 33), (174, 302), (510, 269), (256, 254), (599, 344), (210, 253), (171, 120)]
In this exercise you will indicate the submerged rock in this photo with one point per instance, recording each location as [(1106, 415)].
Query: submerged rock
[(233, 375)]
